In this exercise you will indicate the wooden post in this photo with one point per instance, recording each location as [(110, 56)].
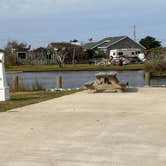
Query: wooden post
[(74, 52), (16, 85), (147, 78), (59, 82)]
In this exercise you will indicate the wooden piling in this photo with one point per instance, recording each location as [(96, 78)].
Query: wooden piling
[(147, 78), (16, 84), (59, 82)]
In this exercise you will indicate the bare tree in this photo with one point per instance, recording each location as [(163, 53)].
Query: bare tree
[(10, 51), (16, 46), (59, 54)]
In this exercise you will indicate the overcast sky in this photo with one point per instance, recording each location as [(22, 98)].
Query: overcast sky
[(39, 22)]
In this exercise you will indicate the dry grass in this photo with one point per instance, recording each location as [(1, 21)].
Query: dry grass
[(20, 99), (156, 63)]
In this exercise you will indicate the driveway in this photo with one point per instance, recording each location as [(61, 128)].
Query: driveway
[(85, 129)]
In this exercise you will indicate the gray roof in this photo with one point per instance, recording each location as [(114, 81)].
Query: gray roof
[(104, 42), (90, 45)]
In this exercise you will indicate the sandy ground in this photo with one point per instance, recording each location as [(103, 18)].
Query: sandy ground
[(84, 129)]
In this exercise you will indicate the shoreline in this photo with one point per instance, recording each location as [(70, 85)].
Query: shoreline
[(70, 68), (33, 71)]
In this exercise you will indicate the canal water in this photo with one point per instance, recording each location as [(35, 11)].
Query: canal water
[(76, 79)]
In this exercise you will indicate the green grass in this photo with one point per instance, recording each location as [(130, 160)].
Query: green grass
[(77, 67), (159, 74), (21, 99)]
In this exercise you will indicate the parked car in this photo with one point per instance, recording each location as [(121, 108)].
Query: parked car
[(126, 62), (134, 60)]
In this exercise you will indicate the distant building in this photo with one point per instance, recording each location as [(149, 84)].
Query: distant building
[(115, 47), (36, 56), (74, 52)]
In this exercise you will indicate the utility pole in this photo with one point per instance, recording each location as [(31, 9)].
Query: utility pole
[(134, 33)]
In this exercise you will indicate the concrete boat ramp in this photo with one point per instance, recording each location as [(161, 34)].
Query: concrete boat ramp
[(85, 129)]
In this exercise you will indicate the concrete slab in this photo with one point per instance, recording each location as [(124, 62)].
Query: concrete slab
[(84, 129)]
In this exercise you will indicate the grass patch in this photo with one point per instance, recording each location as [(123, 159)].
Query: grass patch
[(77, 67), (21, 99)]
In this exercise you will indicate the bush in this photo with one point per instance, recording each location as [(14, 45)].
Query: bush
[(9, 59), (156, 63)]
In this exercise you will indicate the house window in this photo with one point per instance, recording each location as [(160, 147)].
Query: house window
[(49, 56), (133, 53), (22, 55), (114, 53), (139, 52), (120, 53)]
